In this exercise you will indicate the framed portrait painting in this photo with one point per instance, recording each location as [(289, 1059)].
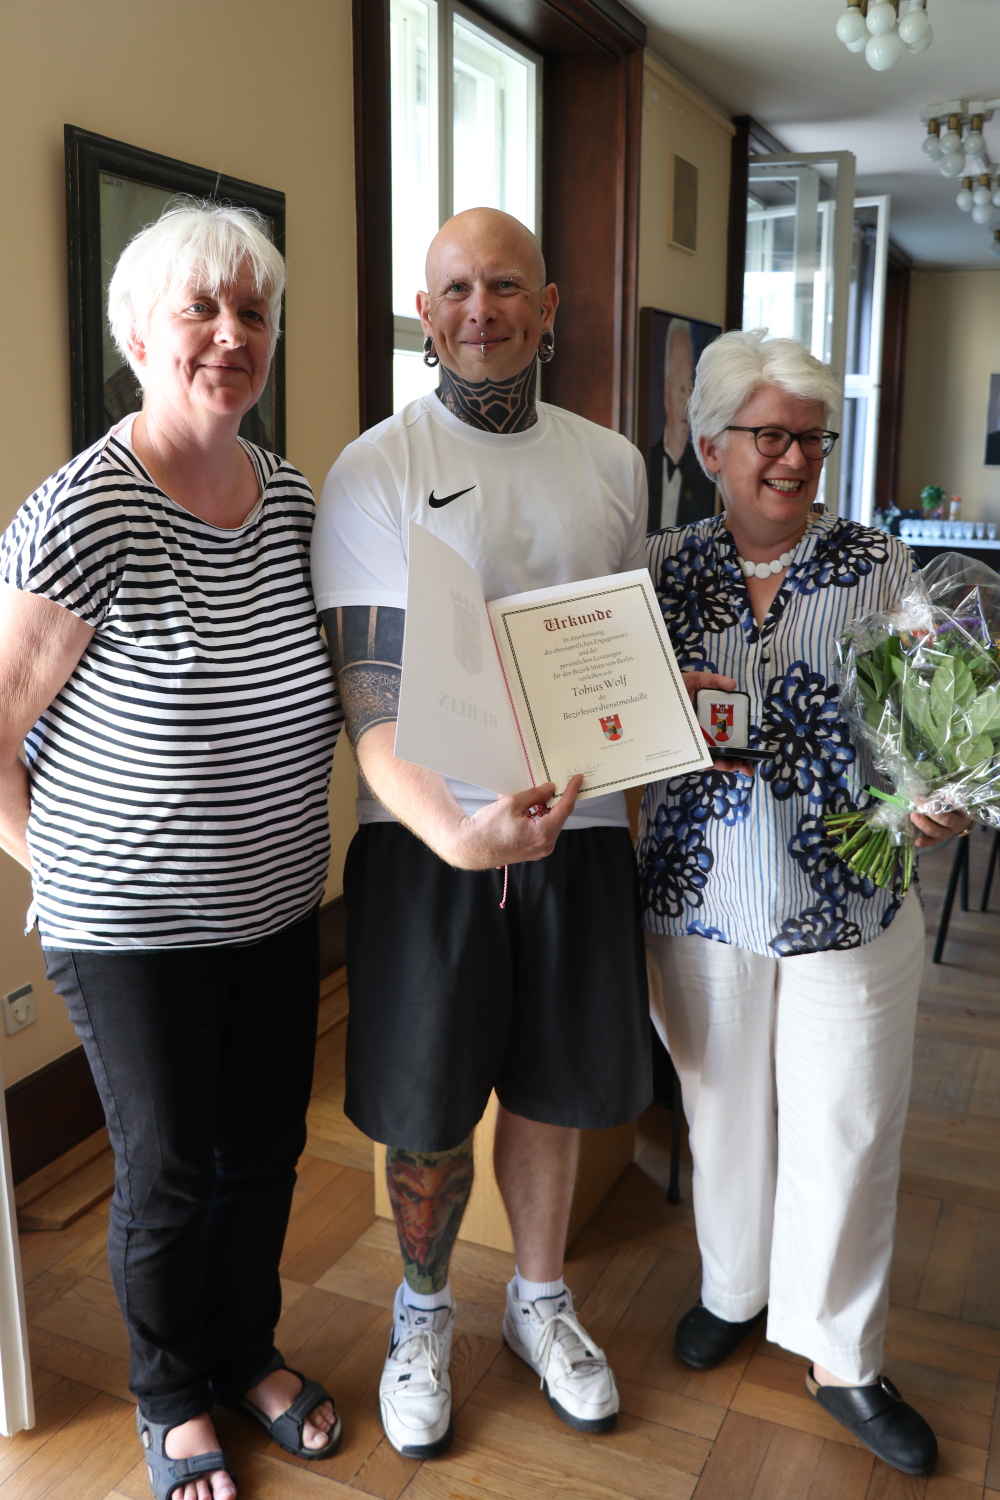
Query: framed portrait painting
[(112, 191), (669, 349), (993, 424)]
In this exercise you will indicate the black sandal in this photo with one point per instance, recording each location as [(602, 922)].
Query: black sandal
[(168, 1474), (286, 1430), (884, 1422)]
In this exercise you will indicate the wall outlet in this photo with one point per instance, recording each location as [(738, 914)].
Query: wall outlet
[(19, 1009)]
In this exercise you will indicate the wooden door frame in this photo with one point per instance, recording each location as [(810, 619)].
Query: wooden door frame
[(897, 301), (591, 124), (751, 139)]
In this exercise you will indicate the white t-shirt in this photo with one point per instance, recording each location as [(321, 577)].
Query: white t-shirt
[(561, 502)]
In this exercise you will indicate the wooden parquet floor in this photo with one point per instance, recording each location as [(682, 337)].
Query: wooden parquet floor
[(747, 1431)]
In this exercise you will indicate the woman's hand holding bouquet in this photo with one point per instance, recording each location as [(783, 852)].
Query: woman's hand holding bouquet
[(922, 686)]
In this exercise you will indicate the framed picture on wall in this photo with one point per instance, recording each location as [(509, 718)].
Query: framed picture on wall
[(112, 191), (669, 349), (993, 424)]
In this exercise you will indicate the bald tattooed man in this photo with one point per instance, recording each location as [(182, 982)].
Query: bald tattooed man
[(542, 998)]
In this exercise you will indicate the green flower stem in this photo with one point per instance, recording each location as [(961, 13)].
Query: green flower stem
[(855, 842), (871, 852)]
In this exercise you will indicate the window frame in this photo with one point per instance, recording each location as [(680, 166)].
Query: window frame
[(407, 332), (592, 109)]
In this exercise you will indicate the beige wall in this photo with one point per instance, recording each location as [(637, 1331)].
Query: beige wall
[(952, 348), (676, 118), (261, 89)]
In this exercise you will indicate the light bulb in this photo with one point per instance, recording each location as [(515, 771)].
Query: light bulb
[(852, 25), (884, 50), (932, 147), (981, 195), (913, 25), (964, 199), (982, 213), (923, 43), (974, 143), (951, 142), (860, 44), (952, 165), (881, 18)]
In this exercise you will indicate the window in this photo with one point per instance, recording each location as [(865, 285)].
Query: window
[(789, 283), (797, 272), (465, 106)]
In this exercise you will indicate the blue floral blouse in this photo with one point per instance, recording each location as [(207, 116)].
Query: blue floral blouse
[(746, 860)]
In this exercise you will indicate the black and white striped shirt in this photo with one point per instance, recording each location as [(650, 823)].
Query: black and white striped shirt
[(179, 779)]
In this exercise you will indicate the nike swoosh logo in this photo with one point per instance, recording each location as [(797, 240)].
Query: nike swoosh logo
[(436, 502)]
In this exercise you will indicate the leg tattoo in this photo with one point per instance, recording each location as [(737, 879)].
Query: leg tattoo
[(429, 1191)]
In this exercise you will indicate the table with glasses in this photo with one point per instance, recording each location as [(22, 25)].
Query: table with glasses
[(975, 539)]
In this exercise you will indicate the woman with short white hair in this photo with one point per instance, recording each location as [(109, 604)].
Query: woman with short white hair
[(161, 662), (783, 985)]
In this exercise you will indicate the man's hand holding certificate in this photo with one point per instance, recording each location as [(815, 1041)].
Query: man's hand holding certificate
[(542, 686)]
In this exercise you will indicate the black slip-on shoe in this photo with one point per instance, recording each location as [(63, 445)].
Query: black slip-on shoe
[(884, 1422), (704, 1341)]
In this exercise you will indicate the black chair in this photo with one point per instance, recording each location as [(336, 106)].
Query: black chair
[(667, 1091), (958, 880)]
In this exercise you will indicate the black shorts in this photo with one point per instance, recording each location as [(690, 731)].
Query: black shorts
[(451, 997)]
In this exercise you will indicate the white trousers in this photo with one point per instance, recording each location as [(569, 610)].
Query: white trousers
[(795, 1074)]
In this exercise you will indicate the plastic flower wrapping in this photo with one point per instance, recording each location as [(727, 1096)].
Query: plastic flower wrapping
[(920, 685)]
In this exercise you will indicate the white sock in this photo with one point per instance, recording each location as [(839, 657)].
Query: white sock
[(427, 1301), (530, 1291)]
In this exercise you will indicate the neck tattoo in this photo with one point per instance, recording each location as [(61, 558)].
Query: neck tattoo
[(492, 405)]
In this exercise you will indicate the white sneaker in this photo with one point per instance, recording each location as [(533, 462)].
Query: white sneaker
[(575, 1375), (414, 1393)]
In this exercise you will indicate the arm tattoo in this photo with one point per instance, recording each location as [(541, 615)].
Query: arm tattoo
[(492, 405), (366, 649), (429, 1191)]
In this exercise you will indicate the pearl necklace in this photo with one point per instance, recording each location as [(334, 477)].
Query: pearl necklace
[(764, 570)]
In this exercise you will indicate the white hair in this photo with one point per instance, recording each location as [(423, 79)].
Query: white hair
[(192, 238), (678, 326), (735, 365)]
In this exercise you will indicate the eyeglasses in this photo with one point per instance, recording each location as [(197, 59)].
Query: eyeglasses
[(772, 442)]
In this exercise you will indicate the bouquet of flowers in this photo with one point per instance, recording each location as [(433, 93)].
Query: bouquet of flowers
[(921, 686)]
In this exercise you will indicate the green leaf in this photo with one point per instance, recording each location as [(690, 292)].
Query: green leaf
[(965, 687), (972, 752), (984, 714), (942, 695)]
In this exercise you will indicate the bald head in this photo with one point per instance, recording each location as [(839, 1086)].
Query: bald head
[(481, 237), (487, 302)]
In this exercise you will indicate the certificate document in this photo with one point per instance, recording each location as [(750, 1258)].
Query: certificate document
[(539, 686)]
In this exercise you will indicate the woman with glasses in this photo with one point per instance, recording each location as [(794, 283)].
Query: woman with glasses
[(783, 985)]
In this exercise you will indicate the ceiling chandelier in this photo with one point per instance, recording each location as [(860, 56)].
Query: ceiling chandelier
[(945, 142), (954, 140), (884, 29)]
